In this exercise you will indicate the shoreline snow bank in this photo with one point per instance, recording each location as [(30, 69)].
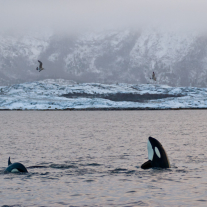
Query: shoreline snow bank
[(67, 95)]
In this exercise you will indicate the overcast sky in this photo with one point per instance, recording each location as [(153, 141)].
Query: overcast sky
[(71, 16)]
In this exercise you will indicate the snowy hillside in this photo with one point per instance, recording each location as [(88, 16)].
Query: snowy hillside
[(61, 94), (128, 56)]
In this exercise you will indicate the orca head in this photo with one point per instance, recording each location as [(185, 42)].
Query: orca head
[(156, 154)]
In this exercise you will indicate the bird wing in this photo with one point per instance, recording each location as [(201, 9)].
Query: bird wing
[(40, 64)]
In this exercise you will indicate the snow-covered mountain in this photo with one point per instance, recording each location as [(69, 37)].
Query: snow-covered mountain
[(63, 94), (178, 59)]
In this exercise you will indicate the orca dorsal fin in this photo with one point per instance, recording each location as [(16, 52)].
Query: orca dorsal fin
[(9, 162)]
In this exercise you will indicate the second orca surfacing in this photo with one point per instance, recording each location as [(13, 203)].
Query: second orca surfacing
[(156, 154), (15, 167)]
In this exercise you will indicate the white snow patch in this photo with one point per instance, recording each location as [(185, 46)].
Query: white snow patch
[(47, 94)]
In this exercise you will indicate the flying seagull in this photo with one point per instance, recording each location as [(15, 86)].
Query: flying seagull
[(153, 76), (40, 68)]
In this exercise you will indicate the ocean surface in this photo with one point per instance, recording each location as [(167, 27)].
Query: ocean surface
[(93, 158)]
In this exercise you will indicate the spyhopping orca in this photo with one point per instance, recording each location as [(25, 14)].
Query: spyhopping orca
[(15, 167), (156, 154), (40, 68)]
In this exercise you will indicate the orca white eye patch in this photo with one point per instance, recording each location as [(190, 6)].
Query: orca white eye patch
[(157, 152)]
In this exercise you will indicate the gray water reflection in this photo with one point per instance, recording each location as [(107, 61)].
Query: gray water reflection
[(93, 158)]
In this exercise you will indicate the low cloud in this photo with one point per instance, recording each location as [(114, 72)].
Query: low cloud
[(74, 16)]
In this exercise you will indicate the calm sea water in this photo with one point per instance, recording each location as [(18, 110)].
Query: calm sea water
[(93, 158)]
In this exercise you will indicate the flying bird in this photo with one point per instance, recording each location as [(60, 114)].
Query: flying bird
[(40, 68), (153, 76)]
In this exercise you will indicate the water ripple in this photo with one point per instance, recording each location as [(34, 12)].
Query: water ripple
[(93, 158)]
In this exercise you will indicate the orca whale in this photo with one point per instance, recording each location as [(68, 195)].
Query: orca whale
[(15, 167), (156, 154)]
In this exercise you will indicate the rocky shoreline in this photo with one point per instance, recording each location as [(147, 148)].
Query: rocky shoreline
[(132, 97)]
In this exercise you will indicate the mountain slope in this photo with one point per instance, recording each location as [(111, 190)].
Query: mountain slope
[(109, 57)]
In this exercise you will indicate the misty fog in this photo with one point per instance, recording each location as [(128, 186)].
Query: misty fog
[(70, 16), (104, 40)]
